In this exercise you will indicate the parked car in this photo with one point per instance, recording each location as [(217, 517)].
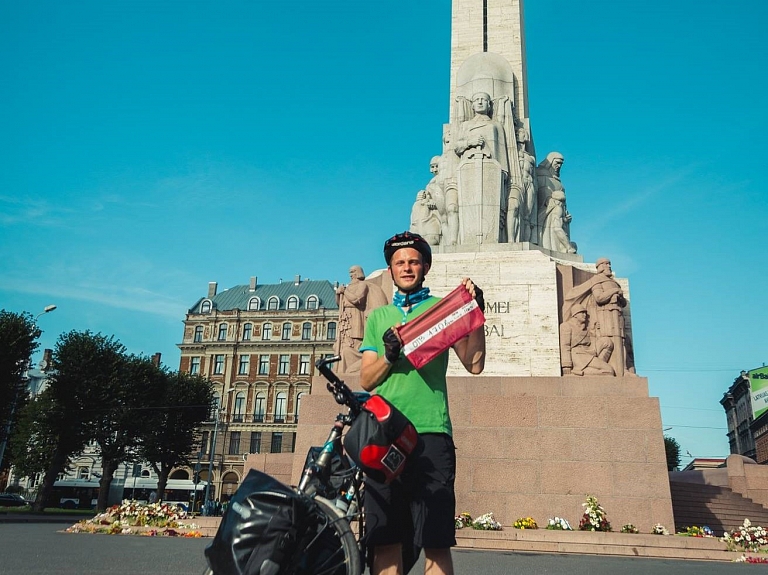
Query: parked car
[(12, 500)]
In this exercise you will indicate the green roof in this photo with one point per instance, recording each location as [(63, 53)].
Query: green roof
[(237, 297)]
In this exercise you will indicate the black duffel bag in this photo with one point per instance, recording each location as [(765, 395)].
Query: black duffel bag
[(260, 529), (380, 439)]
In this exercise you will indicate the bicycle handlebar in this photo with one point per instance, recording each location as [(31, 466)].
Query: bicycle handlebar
[(341, 392)]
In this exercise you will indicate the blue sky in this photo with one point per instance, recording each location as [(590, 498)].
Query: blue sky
[(149, 147)]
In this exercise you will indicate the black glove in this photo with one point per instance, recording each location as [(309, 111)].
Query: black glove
[(392, 345), (479, 299)]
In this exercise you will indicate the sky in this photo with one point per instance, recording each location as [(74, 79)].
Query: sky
[(152, 146)]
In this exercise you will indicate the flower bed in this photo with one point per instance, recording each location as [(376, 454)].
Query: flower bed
[(133, 518)]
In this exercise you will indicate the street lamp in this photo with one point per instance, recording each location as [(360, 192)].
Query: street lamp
[(212, 454), (4, 442)]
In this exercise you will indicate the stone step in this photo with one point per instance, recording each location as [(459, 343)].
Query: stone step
[(717, 507)]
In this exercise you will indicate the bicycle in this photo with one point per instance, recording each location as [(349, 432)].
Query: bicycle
[(330, 496)]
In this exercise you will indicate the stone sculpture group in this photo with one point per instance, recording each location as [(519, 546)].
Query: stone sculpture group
[(486, 187)]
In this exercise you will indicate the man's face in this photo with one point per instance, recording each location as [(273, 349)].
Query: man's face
[(355, 273), (433, 167), (557, 163), (481, 103), (581, 318), (408, 269), (605, 268)]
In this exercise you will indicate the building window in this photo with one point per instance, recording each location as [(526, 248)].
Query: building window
[(247, 331), (237, 414), (286, 331), (273, 303), (263, 365), (280, 403), (266, 331), (83, 473), (255, 442), (198, 334), (304, 364), (254, 304), (312, 302), (259, 407), (331, 332), (205, 306), (298, 405), (218, 364), (204, 443), (277, 443), (194, 366), (293, 302), (222, 332), (284, 365), (306, 331), (234, 443), (215, 406), (245, 365)]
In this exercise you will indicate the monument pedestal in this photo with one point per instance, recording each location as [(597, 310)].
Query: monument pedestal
[(537, 446)]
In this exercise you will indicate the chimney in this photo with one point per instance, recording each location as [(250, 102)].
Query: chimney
[(297, 280), (47, 357), (156, 359), (254, 281), (212, 286)]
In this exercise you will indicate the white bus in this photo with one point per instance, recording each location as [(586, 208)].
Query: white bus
[(84, 493)]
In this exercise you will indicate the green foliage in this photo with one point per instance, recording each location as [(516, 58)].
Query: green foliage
[(672, 449), (18, 341), (181, 403)]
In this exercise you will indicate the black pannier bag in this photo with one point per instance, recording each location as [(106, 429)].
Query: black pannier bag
[(380, 440), (263, 521), (339, 474)]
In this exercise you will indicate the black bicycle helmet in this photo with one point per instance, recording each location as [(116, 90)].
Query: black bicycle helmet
[(407, 240)]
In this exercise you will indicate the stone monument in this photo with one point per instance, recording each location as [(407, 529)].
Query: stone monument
[(558, 412)]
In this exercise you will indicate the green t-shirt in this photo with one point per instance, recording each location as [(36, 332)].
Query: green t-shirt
[(420, 394)]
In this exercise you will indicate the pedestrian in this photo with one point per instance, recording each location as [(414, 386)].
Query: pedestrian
[(422, 501)]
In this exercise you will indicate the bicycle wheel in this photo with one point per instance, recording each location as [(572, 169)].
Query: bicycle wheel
[(331, 548)]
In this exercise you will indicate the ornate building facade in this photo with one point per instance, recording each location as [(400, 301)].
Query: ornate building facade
[(258, 345)]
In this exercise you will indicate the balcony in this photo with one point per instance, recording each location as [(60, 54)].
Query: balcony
[(258, 418), (237, 418)]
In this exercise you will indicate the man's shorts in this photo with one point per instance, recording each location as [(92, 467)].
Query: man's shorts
[(420, 505)]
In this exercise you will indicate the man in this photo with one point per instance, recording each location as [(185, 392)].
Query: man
[(423, 498), (548, 181), (579, 355)]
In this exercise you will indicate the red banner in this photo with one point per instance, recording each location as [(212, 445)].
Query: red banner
[(445, 323)]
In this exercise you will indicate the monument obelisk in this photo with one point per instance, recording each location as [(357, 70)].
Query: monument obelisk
[(558, 413)]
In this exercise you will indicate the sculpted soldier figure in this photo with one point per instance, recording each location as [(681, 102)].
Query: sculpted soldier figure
[(548, 181), (579, 353), (425, 220), (481, 136), (603, 297), (356, 301), (528, 199)]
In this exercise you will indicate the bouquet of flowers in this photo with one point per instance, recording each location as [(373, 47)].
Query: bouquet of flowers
[(694, 531), (747, 537), (629, 528), (486, 523), (463, 520), (659, 529), (559, 524), (594, 518), (525, 523)]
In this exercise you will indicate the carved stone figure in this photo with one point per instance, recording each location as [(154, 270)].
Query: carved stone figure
[(528, 200), (446, 178), (580, 352), (356, 301), (604, 299), (425, 219), (483, 175), (548, 181), (554, 220)]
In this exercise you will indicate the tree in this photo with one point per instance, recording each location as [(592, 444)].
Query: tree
[(18, 341), (122, 416), (672, 448), (82, 367), (183, 403)]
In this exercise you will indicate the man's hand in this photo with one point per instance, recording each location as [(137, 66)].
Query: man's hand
[(475, 292), (392, 345)]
